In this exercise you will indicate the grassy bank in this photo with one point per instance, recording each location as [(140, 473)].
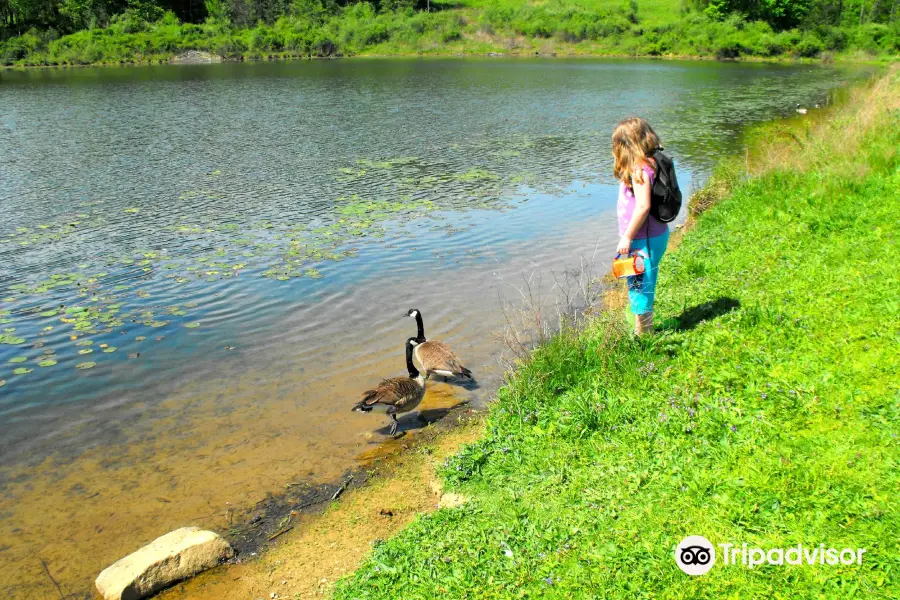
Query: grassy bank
[(517, 27), (766, 412)]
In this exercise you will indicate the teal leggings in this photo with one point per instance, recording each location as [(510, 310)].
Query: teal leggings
[(642, 288)]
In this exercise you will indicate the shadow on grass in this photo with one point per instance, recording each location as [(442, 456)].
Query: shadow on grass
[(691, 317)]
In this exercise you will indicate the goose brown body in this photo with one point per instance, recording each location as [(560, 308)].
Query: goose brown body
[(434, 356), (437, 357), (396, 395)]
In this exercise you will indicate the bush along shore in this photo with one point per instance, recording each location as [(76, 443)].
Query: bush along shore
[(765, 412), (70, 32)]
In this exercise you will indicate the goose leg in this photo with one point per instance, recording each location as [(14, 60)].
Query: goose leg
[(393, 424)]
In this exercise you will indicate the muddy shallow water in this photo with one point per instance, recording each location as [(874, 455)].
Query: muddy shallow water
[(201, 267)]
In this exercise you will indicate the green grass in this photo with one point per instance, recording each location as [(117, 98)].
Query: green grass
[(519, 27), (766, 412)]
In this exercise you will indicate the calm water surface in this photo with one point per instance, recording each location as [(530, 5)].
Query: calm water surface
[(201, 267)]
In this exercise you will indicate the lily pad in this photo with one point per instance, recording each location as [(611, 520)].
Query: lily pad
[(110, 350), (47, 363), (132, 211), (85, 343), (85, 365), (49, 313), (18, 359), (2, 382), (140, 338), (192, 325), (22, 371), (85, 351)]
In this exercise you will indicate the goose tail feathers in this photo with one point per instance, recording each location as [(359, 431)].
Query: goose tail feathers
[(365, 405)]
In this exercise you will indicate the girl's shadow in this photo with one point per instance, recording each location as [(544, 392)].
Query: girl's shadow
[(691, 317)]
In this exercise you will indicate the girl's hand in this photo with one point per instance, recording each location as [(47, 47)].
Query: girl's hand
[(624, 246)]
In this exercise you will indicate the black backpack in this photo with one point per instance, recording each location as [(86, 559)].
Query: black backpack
[(665, 198)]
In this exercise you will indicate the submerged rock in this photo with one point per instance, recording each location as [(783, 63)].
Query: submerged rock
[(195, 57), (175, 556)]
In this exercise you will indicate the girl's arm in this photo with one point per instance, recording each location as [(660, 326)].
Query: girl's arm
[(641, 210)]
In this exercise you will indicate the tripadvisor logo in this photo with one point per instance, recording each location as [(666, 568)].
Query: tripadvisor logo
[(696, 555)]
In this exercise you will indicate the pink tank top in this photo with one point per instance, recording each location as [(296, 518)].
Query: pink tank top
[(625, 209)]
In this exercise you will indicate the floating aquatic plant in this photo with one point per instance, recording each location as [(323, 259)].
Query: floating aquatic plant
[(85, 365), (22, 371), (11, 340)]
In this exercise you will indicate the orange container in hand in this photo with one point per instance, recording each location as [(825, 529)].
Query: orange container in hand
[(626, 266)]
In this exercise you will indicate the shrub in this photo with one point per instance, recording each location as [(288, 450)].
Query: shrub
[(809, 46), (265, 39), (13, 50), (729, 49)]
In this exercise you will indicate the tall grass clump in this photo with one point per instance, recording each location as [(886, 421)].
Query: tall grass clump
[(766, 411)]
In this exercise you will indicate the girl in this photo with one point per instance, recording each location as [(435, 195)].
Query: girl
[(634, 143)]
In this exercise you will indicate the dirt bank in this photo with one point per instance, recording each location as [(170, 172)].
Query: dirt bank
[(319, 547)]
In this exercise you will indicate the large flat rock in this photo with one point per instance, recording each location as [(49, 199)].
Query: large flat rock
[(175, 556)]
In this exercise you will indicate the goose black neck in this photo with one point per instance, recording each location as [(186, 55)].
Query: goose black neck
[(420, 334), (413, 371)]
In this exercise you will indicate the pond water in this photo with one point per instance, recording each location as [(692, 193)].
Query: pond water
[(202, 267)]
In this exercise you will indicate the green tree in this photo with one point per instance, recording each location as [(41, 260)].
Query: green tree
[(780, 14)]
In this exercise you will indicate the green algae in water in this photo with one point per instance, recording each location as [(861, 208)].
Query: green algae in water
[(478, 175), (301, 248)]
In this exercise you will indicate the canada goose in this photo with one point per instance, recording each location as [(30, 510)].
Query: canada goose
[(434, 356), (801, 111), (397, 394)]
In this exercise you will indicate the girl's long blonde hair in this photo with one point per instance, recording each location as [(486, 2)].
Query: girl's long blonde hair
[(633, 143)]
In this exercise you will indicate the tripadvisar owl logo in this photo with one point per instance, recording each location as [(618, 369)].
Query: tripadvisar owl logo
[(695, 555)]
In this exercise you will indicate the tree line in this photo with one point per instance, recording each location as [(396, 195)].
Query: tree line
[(68, 16)]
